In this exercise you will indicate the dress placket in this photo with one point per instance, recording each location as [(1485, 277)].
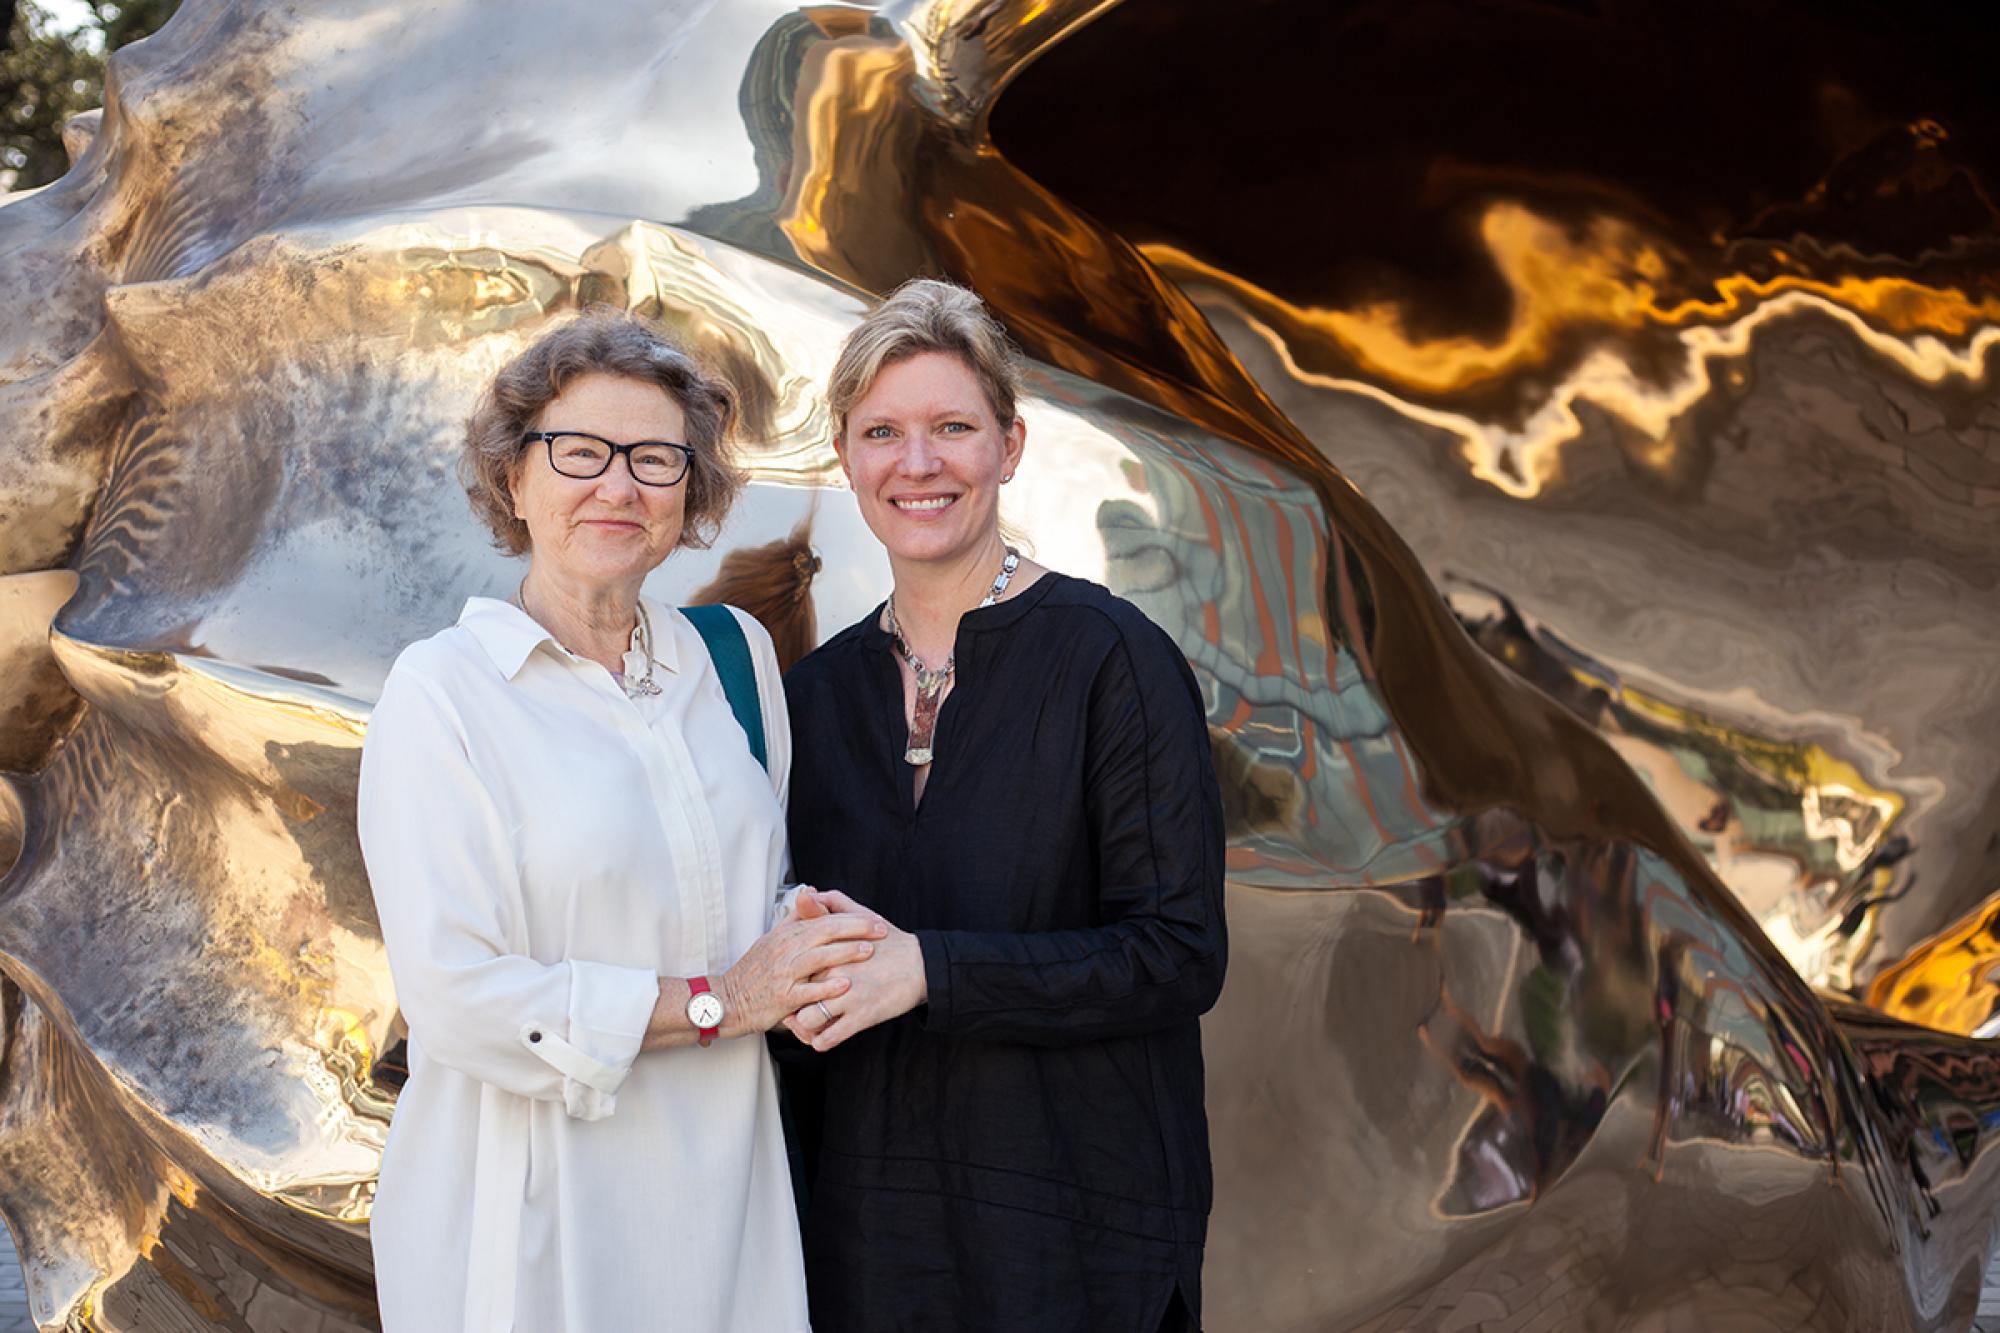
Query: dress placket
[(689, 826), (685, 821)]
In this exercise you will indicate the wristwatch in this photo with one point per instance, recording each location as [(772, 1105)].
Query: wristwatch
[(704, 1010)]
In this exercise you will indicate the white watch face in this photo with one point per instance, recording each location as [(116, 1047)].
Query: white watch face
[(704, 1010)]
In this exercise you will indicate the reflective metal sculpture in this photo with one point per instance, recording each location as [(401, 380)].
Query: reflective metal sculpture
[(1497, 1046), (1686, 402)]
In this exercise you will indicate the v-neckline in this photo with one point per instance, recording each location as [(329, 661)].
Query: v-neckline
[(913, 798), (981, 618)]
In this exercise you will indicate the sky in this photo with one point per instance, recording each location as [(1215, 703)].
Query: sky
[(65, 15)]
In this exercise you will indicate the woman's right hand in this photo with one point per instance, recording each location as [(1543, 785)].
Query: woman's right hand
[(817, 902), (773, 980)]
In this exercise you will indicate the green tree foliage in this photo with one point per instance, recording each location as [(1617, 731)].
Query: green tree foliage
[(48, 75)]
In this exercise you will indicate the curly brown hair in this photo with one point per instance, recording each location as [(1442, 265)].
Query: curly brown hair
[(602, 340)]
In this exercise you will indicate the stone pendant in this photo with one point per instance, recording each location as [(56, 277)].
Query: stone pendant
[(923, 726)]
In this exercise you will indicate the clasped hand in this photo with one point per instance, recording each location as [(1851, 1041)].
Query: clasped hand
[(796, 964), (876, 989)]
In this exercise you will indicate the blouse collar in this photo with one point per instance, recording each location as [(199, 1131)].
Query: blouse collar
[(510, 635)]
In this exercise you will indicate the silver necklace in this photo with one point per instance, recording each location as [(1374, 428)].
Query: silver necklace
[(643, 683), (635, 686), (931, 681)]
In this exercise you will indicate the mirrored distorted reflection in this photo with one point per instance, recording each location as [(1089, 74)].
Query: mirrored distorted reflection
[(1705, 412), (1636, 694)]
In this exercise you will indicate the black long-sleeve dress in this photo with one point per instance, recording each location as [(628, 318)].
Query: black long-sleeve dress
[(1028, 1150)]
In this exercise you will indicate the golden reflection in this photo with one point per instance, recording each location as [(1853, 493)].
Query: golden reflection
[(1571, 294), (1611, 279), (840, 131), (1952, 980)]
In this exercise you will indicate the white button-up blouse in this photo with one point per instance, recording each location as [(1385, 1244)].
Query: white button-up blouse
[(541, 849)]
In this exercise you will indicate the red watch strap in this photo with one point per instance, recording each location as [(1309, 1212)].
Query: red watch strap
[(699, 986)]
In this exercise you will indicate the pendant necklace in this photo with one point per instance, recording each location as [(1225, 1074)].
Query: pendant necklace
[(641, 683), (637, 678), (931, 681)]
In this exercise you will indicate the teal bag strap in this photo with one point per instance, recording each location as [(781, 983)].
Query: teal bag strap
[(730, 651)]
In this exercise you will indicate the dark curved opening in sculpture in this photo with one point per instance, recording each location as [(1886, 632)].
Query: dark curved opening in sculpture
[(1340, 153)]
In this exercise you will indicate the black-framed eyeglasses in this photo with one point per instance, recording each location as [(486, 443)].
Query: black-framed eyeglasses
[(583, 456)]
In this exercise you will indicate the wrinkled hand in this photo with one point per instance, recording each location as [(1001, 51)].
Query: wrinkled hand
[(796, 964), (889, 985)]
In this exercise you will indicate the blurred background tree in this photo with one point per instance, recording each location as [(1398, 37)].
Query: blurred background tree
[(51, 67)]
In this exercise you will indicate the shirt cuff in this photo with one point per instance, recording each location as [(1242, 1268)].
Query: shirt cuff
[(786, 898), (937, 980), (609, 1010)]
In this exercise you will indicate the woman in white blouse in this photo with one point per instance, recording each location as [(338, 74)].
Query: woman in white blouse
[(575, 855)]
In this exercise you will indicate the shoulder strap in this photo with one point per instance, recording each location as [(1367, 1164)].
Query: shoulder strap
[(730, 651)]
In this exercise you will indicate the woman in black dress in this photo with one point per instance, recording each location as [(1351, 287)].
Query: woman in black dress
[(1012, 767)]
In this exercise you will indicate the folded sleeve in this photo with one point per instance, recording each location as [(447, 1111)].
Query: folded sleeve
[(447, 891), (1155, 811)]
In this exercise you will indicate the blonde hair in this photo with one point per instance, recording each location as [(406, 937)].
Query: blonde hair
[(926, 315), (603, 340)]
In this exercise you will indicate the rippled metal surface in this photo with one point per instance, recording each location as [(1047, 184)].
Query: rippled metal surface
[(1496, 1043), (1688, 403)]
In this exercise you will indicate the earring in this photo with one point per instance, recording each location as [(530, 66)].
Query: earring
[(1006, 477)]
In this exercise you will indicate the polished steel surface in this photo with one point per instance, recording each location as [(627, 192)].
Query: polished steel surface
[(1497, 1043), (1686, 402)]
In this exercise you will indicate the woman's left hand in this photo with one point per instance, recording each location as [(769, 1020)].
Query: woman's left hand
[(886, 986)]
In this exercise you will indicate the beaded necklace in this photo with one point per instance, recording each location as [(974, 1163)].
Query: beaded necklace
[(931, 681)]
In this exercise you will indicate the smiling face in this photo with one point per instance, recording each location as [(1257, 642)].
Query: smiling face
[(926, 454), (609, 531)]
